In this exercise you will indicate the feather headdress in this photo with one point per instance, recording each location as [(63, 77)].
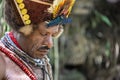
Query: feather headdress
[(26, 12), (62, 7)]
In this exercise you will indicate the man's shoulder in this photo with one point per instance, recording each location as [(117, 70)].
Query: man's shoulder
[(1, 53), (2, 59), (2, 66)]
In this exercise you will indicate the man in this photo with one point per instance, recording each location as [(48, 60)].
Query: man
[(23, 51)]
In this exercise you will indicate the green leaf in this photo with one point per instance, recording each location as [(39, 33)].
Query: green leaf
[(106, 20), (103, 18)]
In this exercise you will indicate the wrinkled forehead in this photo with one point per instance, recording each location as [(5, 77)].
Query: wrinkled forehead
[(43, 27)]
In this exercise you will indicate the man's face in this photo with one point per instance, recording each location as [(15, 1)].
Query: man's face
[(38, 43)]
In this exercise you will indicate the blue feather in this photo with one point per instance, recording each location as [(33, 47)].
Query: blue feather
[(59, 20)]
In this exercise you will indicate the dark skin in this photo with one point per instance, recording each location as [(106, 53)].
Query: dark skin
[(36, 45), (2, 67)]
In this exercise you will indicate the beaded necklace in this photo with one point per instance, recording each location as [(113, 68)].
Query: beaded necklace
[(9, 41), (18, 62), (6, 40)]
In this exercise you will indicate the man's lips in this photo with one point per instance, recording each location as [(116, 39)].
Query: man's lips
[(43, 49)]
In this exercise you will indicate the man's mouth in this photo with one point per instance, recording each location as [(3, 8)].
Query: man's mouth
[(44, 49)]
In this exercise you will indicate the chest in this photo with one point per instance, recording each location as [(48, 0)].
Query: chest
[(14, 72)]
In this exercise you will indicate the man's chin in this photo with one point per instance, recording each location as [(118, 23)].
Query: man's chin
[(41, 54)]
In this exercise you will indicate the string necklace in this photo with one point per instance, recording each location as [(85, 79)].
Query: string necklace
[(10, 44)]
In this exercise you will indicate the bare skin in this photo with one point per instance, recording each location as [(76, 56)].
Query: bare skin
[(2, 67), (32, 45)]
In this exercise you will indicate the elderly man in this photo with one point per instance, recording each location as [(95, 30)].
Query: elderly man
[(23, 51)]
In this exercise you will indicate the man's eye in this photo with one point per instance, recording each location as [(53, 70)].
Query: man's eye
[(43, 34), (56, 35)]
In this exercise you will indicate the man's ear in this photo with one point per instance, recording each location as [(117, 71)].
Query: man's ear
[(60, 31), (26, 30)]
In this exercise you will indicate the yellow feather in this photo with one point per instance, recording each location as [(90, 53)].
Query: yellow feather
[(58, 7), (70, 8), (61, 6)]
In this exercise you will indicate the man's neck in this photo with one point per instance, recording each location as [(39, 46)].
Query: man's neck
[(20, 40)]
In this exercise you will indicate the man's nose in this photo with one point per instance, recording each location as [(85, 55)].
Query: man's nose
[(48, 41)]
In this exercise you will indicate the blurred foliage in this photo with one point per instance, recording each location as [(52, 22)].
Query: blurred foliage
[(98, 18), (89, 44), (4, 27)]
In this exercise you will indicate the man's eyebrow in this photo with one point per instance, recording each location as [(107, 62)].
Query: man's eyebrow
[(41, 2)]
